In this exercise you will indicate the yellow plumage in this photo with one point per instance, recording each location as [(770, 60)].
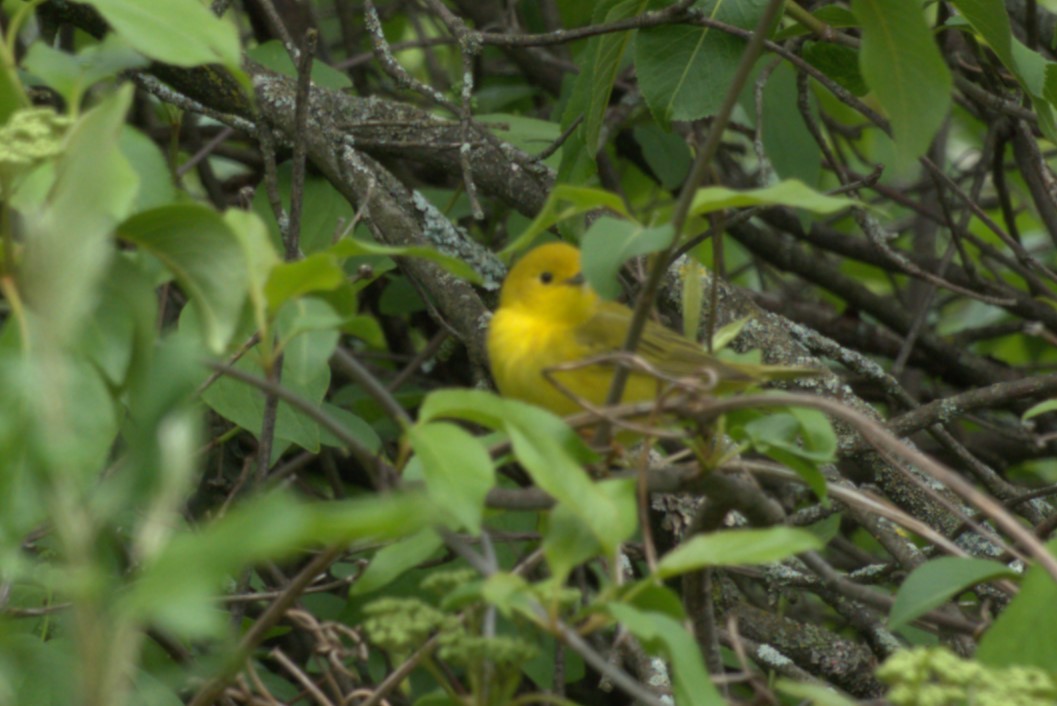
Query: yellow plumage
[(548, 316)]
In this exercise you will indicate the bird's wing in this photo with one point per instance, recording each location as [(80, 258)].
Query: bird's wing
[(666, 350)]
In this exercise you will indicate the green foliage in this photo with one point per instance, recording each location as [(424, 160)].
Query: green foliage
[(902, 65), (684, 70), (1020, 637), (926, 676), (934, 583), (178, 32), (734, 547), (178, 456)]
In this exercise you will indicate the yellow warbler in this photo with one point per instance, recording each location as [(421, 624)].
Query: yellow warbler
[(548, 316)]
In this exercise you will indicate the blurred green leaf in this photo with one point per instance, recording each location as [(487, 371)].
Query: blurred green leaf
[(550, 452), (318, 272), (529, 134), (989, 18), (791, 192), (835, 16), (1040, 408), (739, 547), (569, 541), (508, 592), (799, 438), (178, 32), (837, 61), (350, 247), (43, 671), (71, 75), (176, 587), (812, 694), (305, 372), (935, 582), (457, 468), (204, 255), (667, 154), (1022, 636), (685, 70), (395, 559), (653, 597), (788, 143), (155, 178), (611, 242), (124, 321), (564, 202), (660, 633), (68, 244), (599, 63), (354, 425), (902, 65), (273, 55), (325, 212)]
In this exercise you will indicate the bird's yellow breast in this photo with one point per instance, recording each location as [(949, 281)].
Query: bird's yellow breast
[(523, 345)]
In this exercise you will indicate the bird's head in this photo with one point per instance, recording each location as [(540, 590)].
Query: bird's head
[(548, 282)]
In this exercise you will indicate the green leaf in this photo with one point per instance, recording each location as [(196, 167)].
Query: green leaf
[(788, 143), (528, 134), (685, 71), (325, 212), (902, 65), (659, 632), (508, 592), (692, 273), (1022, 636), (935, 582), (124, 322), (989, 18), (354, 425), (653, 597), (155, 178), (273, 55), (457, 468), (791, 192), (204, 255), (837, 61), (176, 586), (599, 63), (307, 314), (315, 273), (396, 559), (813, 694), (351, 247), (304, 372), (564, 202), (57, 69), (552, 453), (611, 242), (260, 256), (569, 540), (799, 438), (68, 242), (178, 32), (835, 16), (377, 517), (666, 153), (71, 75), (1040, 408), (737, 547)]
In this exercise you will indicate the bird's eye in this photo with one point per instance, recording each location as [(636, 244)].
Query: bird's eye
[(546, 277)]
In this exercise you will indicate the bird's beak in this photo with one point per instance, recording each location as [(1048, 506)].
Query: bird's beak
[(576, 280)]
